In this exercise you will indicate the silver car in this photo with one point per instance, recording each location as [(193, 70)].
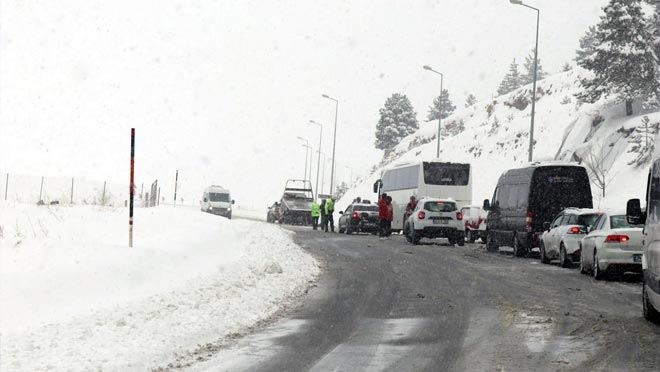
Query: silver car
[(612, 244), (561, 238)]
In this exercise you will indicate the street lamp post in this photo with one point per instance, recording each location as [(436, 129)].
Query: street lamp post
[(306, 145), (442, 78), (334, 143), (318, 164), (536, 60), (323, 176)]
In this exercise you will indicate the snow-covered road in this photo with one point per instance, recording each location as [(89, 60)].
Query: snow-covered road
[(76, 297)]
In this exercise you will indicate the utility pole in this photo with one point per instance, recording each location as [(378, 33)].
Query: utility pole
[(176, 183), (334, 143)]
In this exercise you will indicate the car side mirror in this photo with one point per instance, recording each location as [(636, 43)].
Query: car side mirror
[(378, 185), (486, 205), (341, 212), (546, 226), (232, 201), (205, 200), (634, 212)]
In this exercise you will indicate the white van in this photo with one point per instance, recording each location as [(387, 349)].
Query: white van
[(432, 179), (217, 200)]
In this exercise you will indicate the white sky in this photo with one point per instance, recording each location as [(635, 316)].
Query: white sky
[(221, 89)]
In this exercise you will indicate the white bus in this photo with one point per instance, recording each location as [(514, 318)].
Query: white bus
[(432, 179)]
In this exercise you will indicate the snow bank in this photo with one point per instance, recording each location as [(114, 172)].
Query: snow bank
[(75, 296), (493, 136)]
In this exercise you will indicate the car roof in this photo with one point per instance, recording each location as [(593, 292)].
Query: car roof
[(581, 211)]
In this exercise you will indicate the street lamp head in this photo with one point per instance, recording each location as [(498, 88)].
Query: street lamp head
[(325, 96), (516, 2), (427, 67), (300, 138)]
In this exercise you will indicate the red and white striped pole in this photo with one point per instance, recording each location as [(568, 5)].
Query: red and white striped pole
[(131, 191)]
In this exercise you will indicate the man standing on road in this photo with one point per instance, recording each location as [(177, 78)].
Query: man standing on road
[(329, 210), (324, 218), (389, 217), (382, 214), (412, 204), (316, 212)]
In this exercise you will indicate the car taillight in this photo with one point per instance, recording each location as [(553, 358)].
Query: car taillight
[(459, 216), (575, 230), (421, 215), (355, 216), (617, 238)]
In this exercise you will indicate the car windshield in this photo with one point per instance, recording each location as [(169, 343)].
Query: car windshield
[(621, 222), (218, 197), (440, 206)]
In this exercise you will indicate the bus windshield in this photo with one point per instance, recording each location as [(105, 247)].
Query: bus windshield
[(446, 174)]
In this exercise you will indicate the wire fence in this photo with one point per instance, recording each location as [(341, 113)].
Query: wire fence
[(62, 190)]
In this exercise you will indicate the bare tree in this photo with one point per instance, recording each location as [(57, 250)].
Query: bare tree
[(600, 174)]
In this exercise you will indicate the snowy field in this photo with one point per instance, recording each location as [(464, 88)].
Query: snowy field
[(74, 296)]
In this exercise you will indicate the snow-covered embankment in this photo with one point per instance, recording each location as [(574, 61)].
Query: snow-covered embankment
[(75, 296)]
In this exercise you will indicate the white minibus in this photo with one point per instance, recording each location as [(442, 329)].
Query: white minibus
[(425, 179)]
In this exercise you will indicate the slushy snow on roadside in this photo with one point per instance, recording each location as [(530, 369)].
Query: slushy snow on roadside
[(74, 296)]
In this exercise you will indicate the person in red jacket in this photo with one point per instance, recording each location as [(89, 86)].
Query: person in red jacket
[(389, 217), (382, 214)]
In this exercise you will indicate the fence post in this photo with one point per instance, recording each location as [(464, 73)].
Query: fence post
[(6, 186), (131, 191), (176, 182), (103, 195), (71, 190), (158, 200), (41, 189)]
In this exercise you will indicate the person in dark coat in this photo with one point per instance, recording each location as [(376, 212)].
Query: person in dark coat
[(382, 214), (324, 218), (389, 216)]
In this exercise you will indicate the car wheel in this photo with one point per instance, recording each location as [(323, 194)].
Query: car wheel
[(339, 228), (598, 273), (544, 256), (490, 243), (650, 313), (583, 269), (348, 229), (563, 257), (414, 238), (518, 251), (406, 232), (460, 239)]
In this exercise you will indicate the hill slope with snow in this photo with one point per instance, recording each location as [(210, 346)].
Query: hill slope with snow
[(493, 136)]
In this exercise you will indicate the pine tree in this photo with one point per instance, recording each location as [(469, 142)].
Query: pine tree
[(566, 67), (654, 24), (642, 140), (397, 120), (443, 104), (511, 80), (587, 44), (470, 100), (528, 75), (623, 62)]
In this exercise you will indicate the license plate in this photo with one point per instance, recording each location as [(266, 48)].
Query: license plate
[(637, 258), (440, 222)]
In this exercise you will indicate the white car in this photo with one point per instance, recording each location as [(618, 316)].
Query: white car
[(561, 238), (475, 223), (612, 244), (435, 218)]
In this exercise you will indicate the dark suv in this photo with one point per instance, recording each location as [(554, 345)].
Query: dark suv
[(526, 198), (359, 217)]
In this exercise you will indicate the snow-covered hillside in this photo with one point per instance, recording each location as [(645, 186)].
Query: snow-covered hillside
[(493, 136), (74, 296)]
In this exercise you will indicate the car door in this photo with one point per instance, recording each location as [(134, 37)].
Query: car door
[(593, 240), (552, 246)]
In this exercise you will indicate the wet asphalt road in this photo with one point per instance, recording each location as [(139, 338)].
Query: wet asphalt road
[(388, 305)]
